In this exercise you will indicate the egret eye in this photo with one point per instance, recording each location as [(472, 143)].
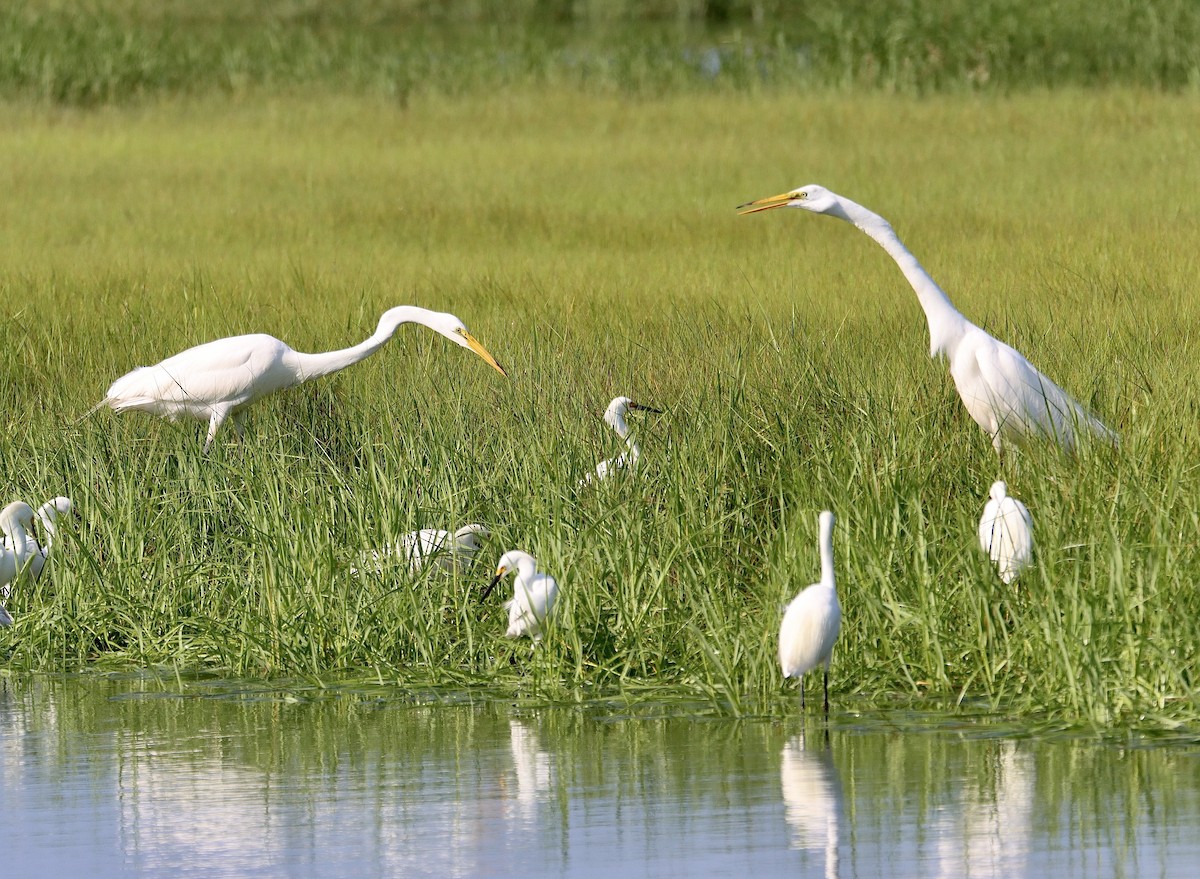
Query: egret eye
[(800, 195)]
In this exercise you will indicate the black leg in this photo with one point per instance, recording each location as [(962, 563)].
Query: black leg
[(826, 692), (801, 693)]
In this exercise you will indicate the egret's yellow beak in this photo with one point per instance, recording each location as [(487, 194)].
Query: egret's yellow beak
[(765, 204), (475, 345), (490, 586)]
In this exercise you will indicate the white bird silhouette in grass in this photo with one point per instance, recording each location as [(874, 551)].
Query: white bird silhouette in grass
[(535, 594), (449, 551), (1003, 392), (812, 620), (1006, 533), (216, 380), (614, 417), (16, 520)]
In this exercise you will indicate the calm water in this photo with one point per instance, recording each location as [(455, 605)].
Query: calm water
[(117, 778)]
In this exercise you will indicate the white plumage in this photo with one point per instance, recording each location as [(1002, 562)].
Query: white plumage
[(812, 620), (534, 594), (1006, 533), (47, 514), (213, 381), (448, 551), (16, 520), (614, 417), (1003, 392)]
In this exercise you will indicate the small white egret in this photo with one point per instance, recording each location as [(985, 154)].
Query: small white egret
[(1003, 392), (446, 550), (218, 379), (1006, 533), (812, 620), (534, 594), (16, 520), (614, 417), (47, 514)]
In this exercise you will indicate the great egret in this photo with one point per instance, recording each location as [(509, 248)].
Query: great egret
[(812, 620), (449, 551), (218, 379), (47, 514), (1003, 392), (1006, 532), (614, 417), (534, 594), (16, 520)]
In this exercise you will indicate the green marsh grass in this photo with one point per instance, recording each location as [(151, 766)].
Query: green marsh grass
[(591, 244)]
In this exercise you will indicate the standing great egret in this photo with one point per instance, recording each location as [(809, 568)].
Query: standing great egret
[(1006, 532), (812, 620), (218, 379), (534, 594), (449, 551), (1005, 394), (15, 521), (614, 417)]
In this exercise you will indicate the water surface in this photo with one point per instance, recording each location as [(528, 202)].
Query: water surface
[(141, 777)]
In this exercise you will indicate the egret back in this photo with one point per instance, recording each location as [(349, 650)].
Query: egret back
[(809, 630), (531, 605)]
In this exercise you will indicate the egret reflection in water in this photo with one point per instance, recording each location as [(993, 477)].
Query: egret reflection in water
[(812, 798), (989, 834)]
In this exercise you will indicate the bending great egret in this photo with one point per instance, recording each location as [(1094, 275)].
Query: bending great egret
[(15, 521), (218, 379), (1006, 532), (812, 620), (1005, 394), (614, 417), (534, 594), (449, 551)]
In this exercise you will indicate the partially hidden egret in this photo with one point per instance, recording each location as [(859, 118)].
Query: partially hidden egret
[(812, 620), (47, 514), (16, 521), (449, 551), (614, 417), (1006, 532), (1003, 392), (216, 380), (534, 594)]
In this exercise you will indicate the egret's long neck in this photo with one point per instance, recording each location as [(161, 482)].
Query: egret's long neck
[(827, 552), (19, 537), (526, 570), (622, 428), (47, 513), (312, 366), (946, 323)]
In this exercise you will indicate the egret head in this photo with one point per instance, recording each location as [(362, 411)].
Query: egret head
[(814, 198), (60, 506), (615, 413), (18, 512), (510, 561), (999, 491), (440, 322), (468, 535)]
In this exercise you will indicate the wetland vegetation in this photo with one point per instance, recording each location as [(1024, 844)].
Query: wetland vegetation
[(173, 177)]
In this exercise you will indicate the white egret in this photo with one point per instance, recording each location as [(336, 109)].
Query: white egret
[(1003, 392), (812, 620), (16, 520), (446, 550), (614, 417), (47, 514), (1006, 532), (218, 379), (534, 594)]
